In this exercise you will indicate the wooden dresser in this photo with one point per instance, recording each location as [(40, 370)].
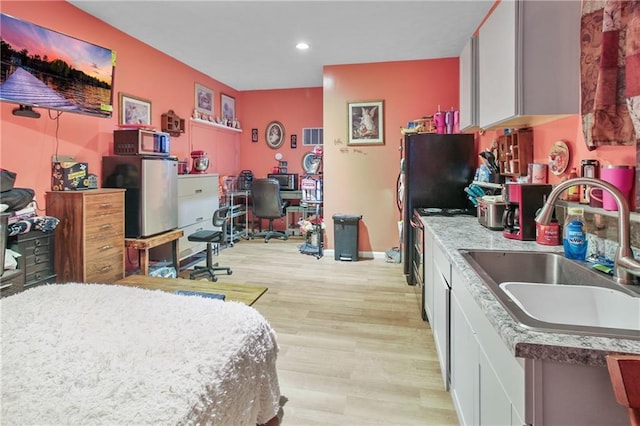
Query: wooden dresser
[(36, 262), (90, 237)]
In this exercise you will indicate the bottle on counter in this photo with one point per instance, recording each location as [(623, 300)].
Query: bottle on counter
[(573, 192), (574, 237)]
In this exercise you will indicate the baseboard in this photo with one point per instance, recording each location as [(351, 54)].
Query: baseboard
[(361, 254)]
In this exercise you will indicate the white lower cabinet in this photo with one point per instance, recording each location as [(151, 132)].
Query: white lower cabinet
[(427, 275), (441, 312), (487, 381), (464, 366), (197, 200)]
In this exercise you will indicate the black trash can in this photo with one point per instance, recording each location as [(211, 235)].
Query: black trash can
[(345, 235)]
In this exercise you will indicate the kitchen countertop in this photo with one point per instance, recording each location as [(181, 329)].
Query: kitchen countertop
[(454, 233)]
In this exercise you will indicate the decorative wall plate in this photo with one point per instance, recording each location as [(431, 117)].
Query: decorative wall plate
[(310, 162), (274, 134), (558, 158)]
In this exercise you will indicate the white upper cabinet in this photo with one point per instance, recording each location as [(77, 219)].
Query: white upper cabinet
[(469, 85), (529, 63)]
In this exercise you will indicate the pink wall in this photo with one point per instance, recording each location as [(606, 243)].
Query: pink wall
[(27, 145), (362, 179), (295, 109), (569, 130)]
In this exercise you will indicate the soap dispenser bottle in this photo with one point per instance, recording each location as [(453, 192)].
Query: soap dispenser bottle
[(574, 236)]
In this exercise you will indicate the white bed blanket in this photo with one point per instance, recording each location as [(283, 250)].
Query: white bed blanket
[(114, 355)]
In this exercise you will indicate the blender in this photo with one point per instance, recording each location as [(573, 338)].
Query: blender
[(200, 162)]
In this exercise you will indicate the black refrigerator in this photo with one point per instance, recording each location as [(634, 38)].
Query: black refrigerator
[(435, 169)]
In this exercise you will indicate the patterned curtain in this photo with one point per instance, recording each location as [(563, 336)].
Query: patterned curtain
[(610, 72)]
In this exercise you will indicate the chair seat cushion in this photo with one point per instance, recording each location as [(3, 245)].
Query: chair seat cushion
[(206, 236)]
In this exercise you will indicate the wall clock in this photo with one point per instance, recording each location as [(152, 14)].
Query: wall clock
[(274, 134)]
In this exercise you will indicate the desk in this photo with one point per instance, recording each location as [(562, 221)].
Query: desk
[(290, 210), (246, 294), (291, 195), (144, 244)]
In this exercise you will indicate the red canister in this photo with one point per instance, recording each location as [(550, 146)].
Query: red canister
[(548, 235)]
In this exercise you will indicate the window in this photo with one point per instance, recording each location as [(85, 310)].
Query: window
[(312, 136)]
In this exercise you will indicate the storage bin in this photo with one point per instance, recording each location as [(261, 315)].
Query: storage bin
[(345, 235)]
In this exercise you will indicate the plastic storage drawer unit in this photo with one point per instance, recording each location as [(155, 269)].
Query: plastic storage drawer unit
[(345, 235)]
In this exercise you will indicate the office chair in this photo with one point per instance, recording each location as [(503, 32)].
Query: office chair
[(267, 204), (211, 237)]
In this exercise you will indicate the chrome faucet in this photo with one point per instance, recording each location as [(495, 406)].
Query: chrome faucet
[(625, 264)]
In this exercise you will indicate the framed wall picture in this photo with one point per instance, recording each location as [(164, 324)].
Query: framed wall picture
[(254, 135), (294, 141), (366, 123), (204, 102), (228, 106), (134, 110), (275, 134)]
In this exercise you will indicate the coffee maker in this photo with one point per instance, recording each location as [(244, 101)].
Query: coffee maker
[(523, 201)]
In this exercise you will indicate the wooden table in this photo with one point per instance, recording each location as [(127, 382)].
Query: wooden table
[(144, 244), (246, 294)]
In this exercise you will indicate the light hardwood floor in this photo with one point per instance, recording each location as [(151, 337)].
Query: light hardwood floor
[(353, 348)]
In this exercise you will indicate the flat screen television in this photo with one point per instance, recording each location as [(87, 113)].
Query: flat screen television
[(44, 68)]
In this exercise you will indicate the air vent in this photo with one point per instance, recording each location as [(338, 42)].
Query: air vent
[(312, 136)]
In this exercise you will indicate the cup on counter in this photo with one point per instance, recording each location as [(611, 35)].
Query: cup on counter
[(622, 178), (537, 173), (595, 197)]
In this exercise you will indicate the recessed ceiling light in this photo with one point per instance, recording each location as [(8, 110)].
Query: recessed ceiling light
[(302, 46)]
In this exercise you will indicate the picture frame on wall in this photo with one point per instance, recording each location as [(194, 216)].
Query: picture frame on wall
[(274, 134), (294, 141), (254, 135), (134, 111), (204, 101), (228, 108), (366, 123)]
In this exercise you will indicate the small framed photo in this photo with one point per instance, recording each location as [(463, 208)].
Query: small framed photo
[(275, 134), (366, 123), (294, 141), (254, 135), (228, 107), (134, 110), (204, 101)]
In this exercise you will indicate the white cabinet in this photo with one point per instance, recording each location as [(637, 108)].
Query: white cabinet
[(528, 63), (468, 63), (441, 304), (487, 381), (427, 276), (197, 200), (464, 366)]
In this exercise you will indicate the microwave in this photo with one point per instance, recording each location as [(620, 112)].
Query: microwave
[(141, 142), (288, 181)]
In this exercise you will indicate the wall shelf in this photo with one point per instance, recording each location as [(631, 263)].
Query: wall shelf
[(212, 124), (633, 216)]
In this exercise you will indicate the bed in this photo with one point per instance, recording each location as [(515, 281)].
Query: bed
[(107, 354)]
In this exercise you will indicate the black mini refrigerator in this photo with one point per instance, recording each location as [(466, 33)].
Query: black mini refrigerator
[(435, 169)]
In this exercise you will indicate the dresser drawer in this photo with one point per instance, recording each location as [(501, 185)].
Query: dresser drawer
[(11, 282), (44, 276), (101, 205), (189, 248), (197, 185), (105, 269), (195, 209)]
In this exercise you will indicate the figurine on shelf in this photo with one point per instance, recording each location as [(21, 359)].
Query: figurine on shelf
[(196, 114)]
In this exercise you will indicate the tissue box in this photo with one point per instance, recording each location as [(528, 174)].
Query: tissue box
[(69, 176)]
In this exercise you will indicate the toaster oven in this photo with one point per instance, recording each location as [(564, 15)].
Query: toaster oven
[(288, 181)]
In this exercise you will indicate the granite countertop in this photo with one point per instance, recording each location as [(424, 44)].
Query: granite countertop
[(454, 233)]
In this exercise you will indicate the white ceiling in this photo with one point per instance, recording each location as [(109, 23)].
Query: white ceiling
[(250, 45)]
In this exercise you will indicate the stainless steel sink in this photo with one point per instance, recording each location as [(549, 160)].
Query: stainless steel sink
[(544, 270)]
